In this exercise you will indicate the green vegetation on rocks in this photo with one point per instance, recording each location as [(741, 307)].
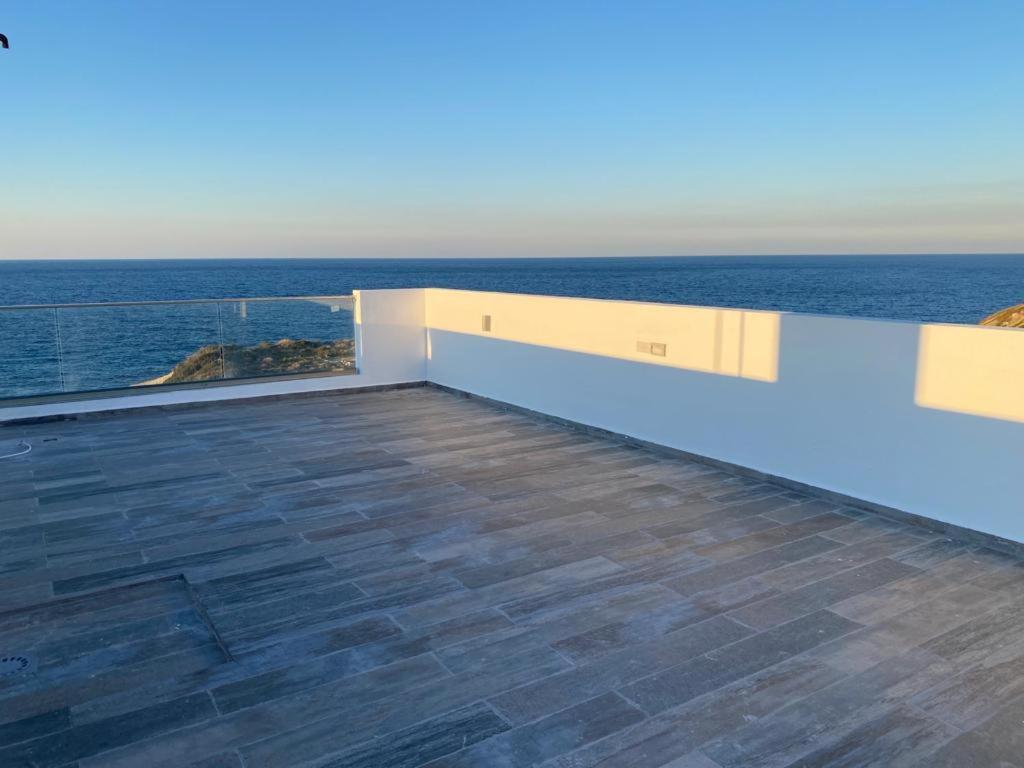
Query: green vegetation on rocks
[(281, 358)]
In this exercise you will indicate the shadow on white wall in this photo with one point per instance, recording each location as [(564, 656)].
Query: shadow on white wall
[(728, 342)]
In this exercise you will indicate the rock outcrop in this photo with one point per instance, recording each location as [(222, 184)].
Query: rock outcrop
[(1011, 317), (281, 358)]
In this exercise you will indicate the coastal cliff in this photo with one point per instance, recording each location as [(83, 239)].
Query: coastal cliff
[(281, 358), (1011, 317)]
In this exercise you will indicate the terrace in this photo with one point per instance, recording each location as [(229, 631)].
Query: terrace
[(309, 576)]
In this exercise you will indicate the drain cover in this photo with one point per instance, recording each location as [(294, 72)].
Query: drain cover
[(12, 448), (13, 665)]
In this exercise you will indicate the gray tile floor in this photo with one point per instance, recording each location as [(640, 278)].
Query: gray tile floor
[(410, 578)]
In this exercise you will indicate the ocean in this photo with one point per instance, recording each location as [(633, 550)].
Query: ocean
[(941, 288), (109, 348)]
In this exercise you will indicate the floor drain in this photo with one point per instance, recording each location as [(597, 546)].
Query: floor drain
[(9, 449), (13, 665)]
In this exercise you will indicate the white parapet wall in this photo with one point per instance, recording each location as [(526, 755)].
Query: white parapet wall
[(925, 419)]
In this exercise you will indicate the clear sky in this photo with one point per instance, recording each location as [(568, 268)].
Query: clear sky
[(139, 128)]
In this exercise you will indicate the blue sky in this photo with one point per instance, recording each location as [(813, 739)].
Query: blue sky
[(493, 128)]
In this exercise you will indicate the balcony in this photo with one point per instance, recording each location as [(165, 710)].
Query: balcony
[(655, 536)]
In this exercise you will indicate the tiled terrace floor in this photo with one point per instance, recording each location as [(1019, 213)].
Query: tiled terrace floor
[(410, 578)]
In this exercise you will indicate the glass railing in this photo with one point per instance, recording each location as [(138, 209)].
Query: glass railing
[(69, 348)]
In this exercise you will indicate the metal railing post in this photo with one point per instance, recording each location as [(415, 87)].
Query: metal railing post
[(60, 350), (220, 333)]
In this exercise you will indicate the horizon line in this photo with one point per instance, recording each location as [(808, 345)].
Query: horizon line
[(810, 254)]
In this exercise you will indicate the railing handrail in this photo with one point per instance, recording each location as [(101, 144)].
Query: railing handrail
[(347, 297)]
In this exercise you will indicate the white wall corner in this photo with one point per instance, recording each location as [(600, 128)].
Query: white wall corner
[(391, 342)]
